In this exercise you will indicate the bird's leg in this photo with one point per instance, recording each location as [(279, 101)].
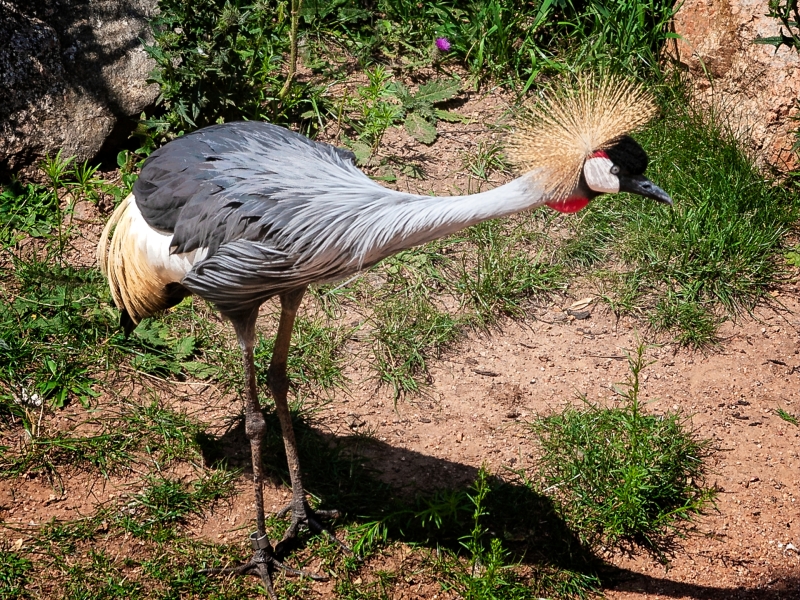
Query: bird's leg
[(301, 512), (263, 561)]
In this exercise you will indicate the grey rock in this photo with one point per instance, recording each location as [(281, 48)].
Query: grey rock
[(72, 76)]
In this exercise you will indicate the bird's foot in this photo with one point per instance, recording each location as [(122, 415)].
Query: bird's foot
[(263, 564), (304, 517)]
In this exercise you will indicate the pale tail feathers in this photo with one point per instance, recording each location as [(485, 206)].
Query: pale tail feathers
[(137, 286)]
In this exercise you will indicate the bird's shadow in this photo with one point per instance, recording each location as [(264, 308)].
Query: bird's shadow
[(425, 500)]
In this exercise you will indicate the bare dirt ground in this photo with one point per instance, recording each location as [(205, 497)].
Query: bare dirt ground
[(483, 392), (475, 412)]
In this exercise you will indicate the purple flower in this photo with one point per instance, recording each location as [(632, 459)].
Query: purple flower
[(443, 44)]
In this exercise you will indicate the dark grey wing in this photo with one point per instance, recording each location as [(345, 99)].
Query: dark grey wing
[(267, 208), (218, 184)]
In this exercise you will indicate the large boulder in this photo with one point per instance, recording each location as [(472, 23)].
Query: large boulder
[(756, 87), (72, 76)]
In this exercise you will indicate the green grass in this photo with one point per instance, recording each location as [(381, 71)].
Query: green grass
[(712, 256), (54, 324), (504, 271), (221, 61), (453, 532), (787, 416), (315, 357), (620, 475), (14, 575), (410, 330)]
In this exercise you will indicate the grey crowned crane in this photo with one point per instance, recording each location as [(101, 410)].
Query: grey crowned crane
[(241, 212)]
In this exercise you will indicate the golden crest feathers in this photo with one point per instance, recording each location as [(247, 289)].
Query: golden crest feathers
[(575, 117)]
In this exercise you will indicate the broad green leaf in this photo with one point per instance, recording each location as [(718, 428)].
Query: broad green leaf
[(386, 174), (437, 90), (153, 333), (199, 369), (420, 129), (399, 91), (414, 171), (362, 151), (450, 117), (185, 347), (793, 258), (424, 110)]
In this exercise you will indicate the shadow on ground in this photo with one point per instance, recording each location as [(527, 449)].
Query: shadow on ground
[(433, 508), (782, 586)]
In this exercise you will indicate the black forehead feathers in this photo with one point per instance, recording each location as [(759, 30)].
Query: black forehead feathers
[(628, 155)]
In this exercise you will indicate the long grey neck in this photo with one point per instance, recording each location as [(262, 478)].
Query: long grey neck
[(414, 220)]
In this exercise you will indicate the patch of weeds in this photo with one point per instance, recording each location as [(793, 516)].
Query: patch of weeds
[(419, 112), (25, 210), (101, 577), (629, 35), (315, 359), (499, 276), (14, 575), (491, 570), (792, 257), (166, 565), (221, 62), (619, 475), (370, 113), (481, 544), (163, 434), (383, 103), (66, 535), (495, 277), (380, 588), (105, 452), (693, 324), (174, 572), (409, 329), (34, 209), (787, 416), (409, 326), (159, 349), (488, 574), (486, 158), (53, 325), (166, 502)]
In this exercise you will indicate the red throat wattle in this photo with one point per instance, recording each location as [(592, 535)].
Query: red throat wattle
[(574, 203), (570, 205)]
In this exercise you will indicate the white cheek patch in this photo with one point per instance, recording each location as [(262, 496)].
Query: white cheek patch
[(597, 171)]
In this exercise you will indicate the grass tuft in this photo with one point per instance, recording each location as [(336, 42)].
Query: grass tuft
[(787, 416), (503, 274), (14, 570), (315, 358), (619, 475)]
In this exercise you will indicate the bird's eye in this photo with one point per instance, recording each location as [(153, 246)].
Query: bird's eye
[(614, 170)]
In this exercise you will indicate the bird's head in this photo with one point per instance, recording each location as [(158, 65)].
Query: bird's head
[(574, 143)]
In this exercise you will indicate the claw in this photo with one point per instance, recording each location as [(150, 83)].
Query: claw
[(263, 563), (306, 517)]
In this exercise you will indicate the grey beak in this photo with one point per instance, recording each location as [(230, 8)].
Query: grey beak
[(641, 185)]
